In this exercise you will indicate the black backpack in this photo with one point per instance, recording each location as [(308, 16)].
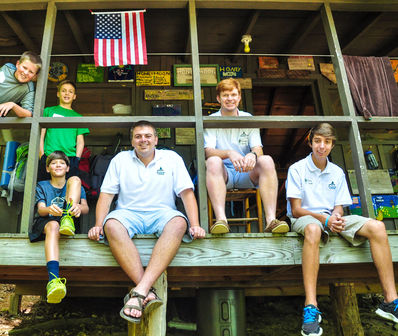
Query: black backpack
[(98, 169)]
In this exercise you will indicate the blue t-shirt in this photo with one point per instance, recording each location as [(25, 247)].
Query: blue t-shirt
[(49, 195)]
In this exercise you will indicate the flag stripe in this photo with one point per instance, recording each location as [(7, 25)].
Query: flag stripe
[(143, 39), (136, 43)]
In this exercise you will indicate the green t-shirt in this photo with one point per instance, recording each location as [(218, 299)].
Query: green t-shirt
[(63, 139)]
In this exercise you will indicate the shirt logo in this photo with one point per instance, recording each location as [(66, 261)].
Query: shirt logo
[(160, 171), (307, 181), (332, 185)]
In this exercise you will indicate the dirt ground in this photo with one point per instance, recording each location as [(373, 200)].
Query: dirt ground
[(271, 316)]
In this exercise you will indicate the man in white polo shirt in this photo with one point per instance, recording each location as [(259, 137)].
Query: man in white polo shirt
[(235, 160), (316, 192), (147, 182)]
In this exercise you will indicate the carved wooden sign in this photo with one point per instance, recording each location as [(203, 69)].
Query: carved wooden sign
[(170, 94)]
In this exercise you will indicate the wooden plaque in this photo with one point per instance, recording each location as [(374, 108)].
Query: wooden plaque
[(209, 74), (170, 94), (379, 182), (153, 78)]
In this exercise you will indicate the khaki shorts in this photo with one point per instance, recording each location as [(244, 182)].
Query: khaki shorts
[(353, 224)]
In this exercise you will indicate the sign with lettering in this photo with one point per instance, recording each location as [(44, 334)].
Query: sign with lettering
[(209, 75), (228, 71), (153, 78), (301, 63), (169, 94)]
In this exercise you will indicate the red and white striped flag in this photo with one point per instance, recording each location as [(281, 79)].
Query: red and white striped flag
[(119, 38)]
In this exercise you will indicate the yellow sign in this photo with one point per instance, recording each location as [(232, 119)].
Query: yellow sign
[(153, 78), (185, 136), (170, 94)]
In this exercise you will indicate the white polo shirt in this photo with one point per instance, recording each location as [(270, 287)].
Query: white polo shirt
[(150, 188), (241, 140), (319, 191)]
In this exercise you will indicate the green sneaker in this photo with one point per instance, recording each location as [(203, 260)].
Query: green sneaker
[(56, 290), (67, 225)]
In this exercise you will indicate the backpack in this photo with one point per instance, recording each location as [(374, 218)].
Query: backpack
[(84, 170), (99, 166), (18, 175)]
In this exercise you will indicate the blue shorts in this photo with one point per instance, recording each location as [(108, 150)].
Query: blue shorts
[(146, 222), (238, 180)]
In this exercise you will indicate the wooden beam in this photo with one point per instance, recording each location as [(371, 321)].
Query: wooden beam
[(233, 250), (200, 152), (78, 35), (35, 130), (24, 37), (390, 48), (359, 31), (302, 33), (349, 110)]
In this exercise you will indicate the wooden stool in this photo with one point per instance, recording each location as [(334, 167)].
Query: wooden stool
[(242, 195)]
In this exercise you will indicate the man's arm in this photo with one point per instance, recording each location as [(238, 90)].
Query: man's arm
[(191, 208), (335, 222), (19, 111), (79, 145), (102, 209), (42, 136)]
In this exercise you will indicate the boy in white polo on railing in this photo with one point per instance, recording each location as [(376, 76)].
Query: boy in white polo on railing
[(316, 192)]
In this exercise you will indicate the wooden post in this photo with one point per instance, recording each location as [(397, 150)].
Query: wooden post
[(153, 324), (345, 306), (15, 304)]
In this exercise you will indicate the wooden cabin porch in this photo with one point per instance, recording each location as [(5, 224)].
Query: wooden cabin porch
[(284, 108)]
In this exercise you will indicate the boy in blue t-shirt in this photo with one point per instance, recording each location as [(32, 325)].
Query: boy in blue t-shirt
[(58, 200)]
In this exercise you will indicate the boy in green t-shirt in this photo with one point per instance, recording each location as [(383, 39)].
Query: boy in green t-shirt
[(68, 140)]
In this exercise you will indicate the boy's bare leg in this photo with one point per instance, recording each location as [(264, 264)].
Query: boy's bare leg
[(216, 177), (73, 189), (310, 262), (51, 246), (376, 233)]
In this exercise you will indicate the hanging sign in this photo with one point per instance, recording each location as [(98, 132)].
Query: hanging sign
[(268, 62), (301, 63), (169, 94), (228, 71), (153, 78)]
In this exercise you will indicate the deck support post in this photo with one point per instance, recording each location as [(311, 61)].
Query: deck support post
[(15, 304), (153, 324), (345, 307)]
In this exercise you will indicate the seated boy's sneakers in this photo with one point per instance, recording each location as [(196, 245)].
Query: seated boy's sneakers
[(311, 319), (389, 311), (67, 225), (56, 290)]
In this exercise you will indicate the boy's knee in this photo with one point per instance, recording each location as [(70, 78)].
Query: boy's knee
[(51, 227), (113, 227), (214, 163), (266, 163), (74, 180), (376, 228), (312, 233)]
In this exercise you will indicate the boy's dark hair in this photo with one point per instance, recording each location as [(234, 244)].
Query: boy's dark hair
[(57, 155), (65, 81), (227, 85), (323, 129), (33, 57), (143, 123)]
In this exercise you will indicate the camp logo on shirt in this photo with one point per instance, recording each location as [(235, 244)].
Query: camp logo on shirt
[(332, 185), (307, 181), (243, 139), (160, 171)]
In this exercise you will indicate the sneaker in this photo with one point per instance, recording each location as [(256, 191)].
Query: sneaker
[(56, 290), (67, 225), (219, 227), (311, 319), (277, 226), (389, 311)]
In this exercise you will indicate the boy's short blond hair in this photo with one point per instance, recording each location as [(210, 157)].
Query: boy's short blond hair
[(33, 57), (323, 129), (65, 81), (57, 155), (228, 85)]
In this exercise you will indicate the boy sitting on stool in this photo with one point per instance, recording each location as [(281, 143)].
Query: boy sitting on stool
[(57, 202)]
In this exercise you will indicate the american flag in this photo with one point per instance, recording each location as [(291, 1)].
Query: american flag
[(119, 38)]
